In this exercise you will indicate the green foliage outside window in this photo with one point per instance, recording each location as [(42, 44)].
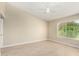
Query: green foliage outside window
[(70, 29)]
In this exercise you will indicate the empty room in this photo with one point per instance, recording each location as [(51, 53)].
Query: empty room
[(39, 28)]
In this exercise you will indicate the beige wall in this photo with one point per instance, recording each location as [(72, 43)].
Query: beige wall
[(2, 8), (21, 27)]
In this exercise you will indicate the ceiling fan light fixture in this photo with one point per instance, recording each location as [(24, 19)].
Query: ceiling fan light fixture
[(47, 10)]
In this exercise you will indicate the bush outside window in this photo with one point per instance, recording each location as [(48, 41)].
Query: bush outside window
[(69, 29)]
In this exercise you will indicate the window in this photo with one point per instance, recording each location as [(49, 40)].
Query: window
[(69, 29)]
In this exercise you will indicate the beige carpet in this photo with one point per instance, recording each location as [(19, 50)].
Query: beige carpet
[(44, 48)]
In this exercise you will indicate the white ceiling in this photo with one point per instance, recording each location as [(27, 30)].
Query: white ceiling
[(57, 9)]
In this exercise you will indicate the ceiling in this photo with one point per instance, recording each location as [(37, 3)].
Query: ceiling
[(56, 9)]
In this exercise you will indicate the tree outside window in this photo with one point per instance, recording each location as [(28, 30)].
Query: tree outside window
[(69, 29)]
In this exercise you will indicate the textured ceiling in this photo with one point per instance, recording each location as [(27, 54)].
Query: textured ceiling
[(57, 9)]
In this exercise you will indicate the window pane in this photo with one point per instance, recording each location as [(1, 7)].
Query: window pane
[(69, 29)]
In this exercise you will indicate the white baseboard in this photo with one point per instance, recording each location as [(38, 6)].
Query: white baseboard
[(22, 43), (65, 42), (59, 41)]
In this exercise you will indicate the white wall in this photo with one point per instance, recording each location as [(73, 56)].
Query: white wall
[(53, 31), (21, 27)]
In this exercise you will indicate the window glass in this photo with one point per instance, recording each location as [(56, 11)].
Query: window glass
[(69, 29)]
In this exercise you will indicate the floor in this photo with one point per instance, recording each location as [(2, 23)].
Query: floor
[(43, 48)]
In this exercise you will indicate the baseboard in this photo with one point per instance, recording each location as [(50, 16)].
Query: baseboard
[(66, 43), (22, 43)]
